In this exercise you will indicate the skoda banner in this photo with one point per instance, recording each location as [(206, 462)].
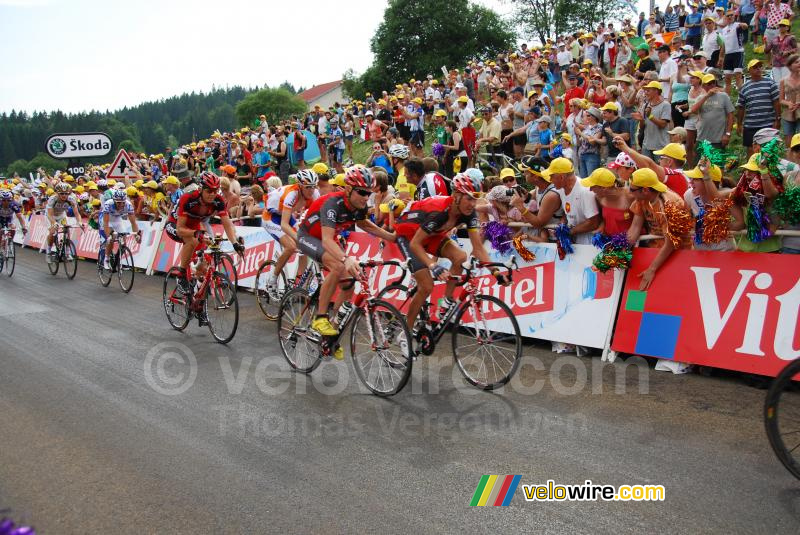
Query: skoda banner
[(81, 145)]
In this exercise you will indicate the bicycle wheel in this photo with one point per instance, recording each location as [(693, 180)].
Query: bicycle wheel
[(104, 274), (70, 260), (222, 308), (228, 268), (299, 347), (176, 304), (381, 348), (268, 304), (487, 357), (10, 257), (54, 261), (782, 417), (125, 269)]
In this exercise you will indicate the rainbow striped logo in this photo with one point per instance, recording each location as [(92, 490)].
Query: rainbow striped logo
[(495, 490)]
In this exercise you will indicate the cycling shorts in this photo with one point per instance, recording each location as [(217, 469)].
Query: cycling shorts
[(119, 226), (434, 245), (273, 226), (310, 245)]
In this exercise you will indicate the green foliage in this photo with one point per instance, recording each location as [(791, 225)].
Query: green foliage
[(23, 167), (276, 104), (352, 85), (418, 37), (541, 19)]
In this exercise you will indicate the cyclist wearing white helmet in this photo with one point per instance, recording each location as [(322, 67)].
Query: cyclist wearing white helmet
[(111, 217), (279, 221), (398, 154), (57, 207), (423, 233), (8, 209)]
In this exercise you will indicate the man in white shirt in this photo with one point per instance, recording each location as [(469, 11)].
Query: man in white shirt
[(581, 212), (564, 58), (668, 73)]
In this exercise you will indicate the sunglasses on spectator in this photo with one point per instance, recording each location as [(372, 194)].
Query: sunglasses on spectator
[(509, 179), (634, 189)]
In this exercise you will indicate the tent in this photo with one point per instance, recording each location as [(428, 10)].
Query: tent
[(311, 154)]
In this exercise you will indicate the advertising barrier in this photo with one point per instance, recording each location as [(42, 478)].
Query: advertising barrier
[(732, 310)]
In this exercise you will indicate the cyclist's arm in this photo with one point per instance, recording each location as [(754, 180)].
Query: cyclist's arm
[(106, 227), (51, 216), (286, 226), (77, 213), (227, 224), (21, 220), (478, 250), (375, 230), (134, 225)]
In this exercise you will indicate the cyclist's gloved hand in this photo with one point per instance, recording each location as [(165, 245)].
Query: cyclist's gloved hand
[(502, 278), (438, 272), (139, 236), (238, 247), (24, 231)]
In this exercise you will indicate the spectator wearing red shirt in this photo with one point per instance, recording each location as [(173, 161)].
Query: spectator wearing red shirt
[(573, 90)]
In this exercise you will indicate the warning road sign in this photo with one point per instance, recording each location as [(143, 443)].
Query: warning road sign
[(122, 166)]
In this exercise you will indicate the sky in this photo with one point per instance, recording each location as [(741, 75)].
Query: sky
[(80, 55)]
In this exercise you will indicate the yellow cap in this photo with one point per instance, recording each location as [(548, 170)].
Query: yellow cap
[(654, 85), (91, 186), (381, 101), (785, 22), (752, 163), (320, 168), (171, 180), (111, 182), (610, 106), (132, 192), (566, 136), (440, 113), (753, 63), (708, 78), (599, 177), (152, 184), (676, 151), (78, 189), (69, 178), (96, 202), (463, 99), (561, 165), (50, 191), (795, 141), (417, 100), (697, 74), (338, 180), (139, 183), (714, 172), (506, 172), (647, 178)]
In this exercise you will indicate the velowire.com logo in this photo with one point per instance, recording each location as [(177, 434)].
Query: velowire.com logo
[(58, 145), (495, 490)]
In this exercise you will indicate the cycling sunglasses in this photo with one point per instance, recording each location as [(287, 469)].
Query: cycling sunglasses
[(477, 194), (363, 192)]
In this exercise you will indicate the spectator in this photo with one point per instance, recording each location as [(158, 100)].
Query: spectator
[(645, 62), (790, 99), (758, 105), (732, 34), (669, 170), (614, 199), (781, 47), (712, 42), (591, 138), (581, 213), (614, 125), (704, 193), (654, 118), (548, 201), (714, 113), (694, 27)]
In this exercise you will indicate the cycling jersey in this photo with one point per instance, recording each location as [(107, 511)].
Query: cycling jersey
[(60, 207), (191, 205), (7, 211), (114, 213), (333, 211), (431, 216), (284, 197), (432, 184)]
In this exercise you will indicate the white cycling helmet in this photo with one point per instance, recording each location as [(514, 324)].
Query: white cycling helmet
[(63, 187), (307, 177), (474, 173), (399, 151), (119, 195)]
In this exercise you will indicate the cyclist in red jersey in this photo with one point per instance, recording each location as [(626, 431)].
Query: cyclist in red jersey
[(325, 220), (424, 228), (189, 220)]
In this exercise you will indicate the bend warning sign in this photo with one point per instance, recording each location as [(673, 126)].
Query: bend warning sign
[(122, 166)]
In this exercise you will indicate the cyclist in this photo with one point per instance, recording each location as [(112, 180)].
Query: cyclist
[(279, 220), (424, 228), (111, 215), (8, 209), (432, 184), (57, 206), (325, 220), (189, 221)]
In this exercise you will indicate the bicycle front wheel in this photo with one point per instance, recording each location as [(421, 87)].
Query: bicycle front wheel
[(269, 304), (486, 356), (222, 308), (125, 269), (299, 345), (380, 344), (397, 295), (176, 303), (103, 273), (70, 260), (228, 268), (782, 417), (10, 257), (53, 260)]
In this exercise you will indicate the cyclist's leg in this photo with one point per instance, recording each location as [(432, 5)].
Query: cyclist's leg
[(289, 248), (312, 247), (450, 250), (423, 278)]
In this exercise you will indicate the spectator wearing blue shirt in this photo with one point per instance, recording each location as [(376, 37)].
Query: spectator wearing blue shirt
[(261, 160), (694, 27)]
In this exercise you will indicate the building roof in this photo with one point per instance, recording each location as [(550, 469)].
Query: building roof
[(312, 94)]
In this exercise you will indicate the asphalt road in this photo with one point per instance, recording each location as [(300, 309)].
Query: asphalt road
[(89, 445)]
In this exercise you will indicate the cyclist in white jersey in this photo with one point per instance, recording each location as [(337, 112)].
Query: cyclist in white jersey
[(56, 210), (112, 216), (279, 222)]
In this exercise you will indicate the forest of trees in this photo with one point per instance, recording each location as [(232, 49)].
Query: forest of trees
[(148, 127)]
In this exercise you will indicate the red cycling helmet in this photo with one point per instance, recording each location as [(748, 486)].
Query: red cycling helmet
[(359, 176), (209, 180), (464, 183)]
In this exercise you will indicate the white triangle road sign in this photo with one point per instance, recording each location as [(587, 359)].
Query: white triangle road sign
[(122, 166)]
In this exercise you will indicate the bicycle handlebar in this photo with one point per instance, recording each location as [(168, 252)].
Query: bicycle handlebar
[(469, 266)]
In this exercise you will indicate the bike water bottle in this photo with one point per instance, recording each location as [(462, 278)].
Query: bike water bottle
[(344, 313)]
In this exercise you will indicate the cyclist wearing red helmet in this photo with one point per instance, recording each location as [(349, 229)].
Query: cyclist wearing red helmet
[(326, 219), (189, 219), (423, 232)]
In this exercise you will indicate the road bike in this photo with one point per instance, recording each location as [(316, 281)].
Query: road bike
[(782, 417), (380, 342), (120, 262), (213, 300), (64, 252), (269, 302), (8, 250), (486, 340)]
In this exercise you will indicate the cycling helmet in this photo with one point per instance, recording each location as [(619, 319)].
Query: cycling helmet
[(465, 183), (6, 195), (398, 151), (209, 180), (307, 177), (359, 176), (84, 197), (119, 195), (63, 187), (475, 174), (102, 183), (120, 186)]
